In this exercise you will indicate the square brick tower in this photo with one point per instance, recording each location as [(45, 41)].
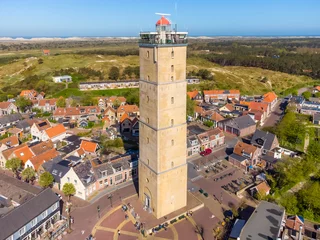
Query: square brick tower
[(162, 163)]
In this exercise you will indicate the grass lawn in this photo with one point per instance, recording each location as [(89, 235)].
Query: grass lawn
[(94, 93)]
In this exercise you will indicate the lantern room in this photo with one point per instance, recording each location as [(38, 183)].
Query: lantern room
[(164, 34)]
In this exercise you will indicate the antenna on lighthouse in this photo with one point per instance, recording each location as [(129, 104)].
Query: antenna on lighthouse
[(163, 14)]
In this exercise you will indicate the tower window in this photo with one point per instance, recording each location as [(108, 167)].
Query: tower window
[(172, 122), (172, 68), (147, 99), (172, 142), (147, 120), (172, 78), (148, 78), (172, 54), (147, 140), (148, 54), (148, 161), (172, 100), (172, 164)]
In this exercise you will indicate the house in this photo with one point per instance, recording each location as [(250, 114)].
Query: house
[(236, 229), (16, 132), (83, 179), (83, 86), (271, 99), (240, 126), (227, 108), (83, 123), (210, 95), (41, 147), (9, 142), (316, 89), (102, 102), (60, 79), (58, 167), (45, 105), (117, 170), (135, 127), (36, 161), (294, 228), (7, 153), (29, 212), (193, 80), (262, 189), (46, 52), (244, 156), (7, 108), (128, 124), (266, 141), (198, 111), (130, 110), (211, 139), (115, 102), (211, 116), (56, 133), (193, 145), (24, 154), (111, 114), (316, 118), (38, 128), (25, 125), (74, 113), (309, 108), (266, 222), (9, 120), (89, 147), (32, 94), (195, 95), (72, 147)]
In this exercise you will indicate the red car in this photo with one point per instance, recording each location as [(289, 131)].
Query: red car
[(206, 152)]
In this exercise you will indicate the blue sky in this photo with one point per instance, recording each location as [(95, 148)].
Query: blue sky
[(128, 17)]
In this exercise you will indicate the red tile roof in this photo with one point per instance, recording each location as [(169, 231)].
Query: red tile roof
[(55, 131), (24, 154), (4, 105), (269, 97), (216, 117), (113, 98), (46, 51), (192, 94), (294, 222), (163, 21), (242, 147), (10, 141), (88, 146), (263, 188), (25, 93), (38, 160), (227, 92), (258, 106), (128, 109), (44, 102), (42, 147), (318, 88)]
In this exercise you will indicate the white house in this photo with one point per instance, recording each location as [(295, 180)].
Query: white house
[(56, 133), (37, 129), (7, 108), (65, 78)]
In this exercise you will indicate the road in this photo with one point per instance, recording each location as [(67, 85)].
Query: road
[(275, 115)]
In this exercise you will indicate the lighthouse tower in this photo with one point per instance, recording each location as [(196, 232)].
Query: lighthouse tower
[(162, 160)]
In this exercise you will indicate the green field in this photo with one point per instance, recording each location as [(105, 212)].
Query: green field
[(94, 93), (248, 80)]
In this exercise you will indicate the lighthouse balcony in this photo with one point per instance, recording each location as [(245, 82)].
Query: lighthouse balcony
[(167, 38)]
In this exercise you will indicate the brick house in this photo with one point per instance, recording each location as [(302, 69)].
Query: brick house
[(32, 94), (211, 139), (130, 110), (193, 145), (113, 101), (211, 116), (271, 99), (45, 105), (195, 95), (7, 108), (210, 95), (241, 126), (244, 156)]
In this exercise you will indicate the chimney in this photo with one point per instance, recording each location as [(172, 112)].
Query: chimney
[(300, 233)]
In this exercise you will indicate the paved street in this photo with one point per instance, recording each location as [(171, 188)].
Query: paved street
[(275, 115)]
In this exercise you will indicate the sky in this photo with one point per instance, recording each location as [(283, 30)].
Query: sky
[(129, 17)]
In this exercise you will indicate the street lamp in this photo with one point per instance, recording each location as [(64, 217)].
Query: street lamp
[(98, 209), (110, 197)]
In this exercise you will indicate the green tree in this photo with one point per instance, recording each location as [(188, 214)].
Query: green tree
[(307, 95), (28, 174), (40, 60), (317, 94), (68, 190), (46, 179), (23, 103), (116, 103), (61, 102), (133, 97), (128, 71), (190, 107), (42, 86), (114, 73), (208, 123), (88, 100), (14, 164)]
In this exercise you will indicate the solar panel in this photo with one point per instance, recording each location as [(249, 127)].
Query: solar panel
[(42, 124)]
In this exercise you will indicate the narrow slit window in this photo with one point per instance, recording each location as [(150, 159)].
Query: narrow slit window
[(172, 142), (172, 100), (147, 120), (172, 68), (172, 54), (172, 78), (148, 54), (172, 164), (172, 122)]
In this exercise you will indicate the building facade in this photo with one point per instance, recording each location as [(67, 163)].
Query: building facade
[(162, 163)]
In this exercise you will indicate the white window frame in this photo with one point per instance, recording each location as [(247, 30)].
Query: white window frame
[(34, 220), (44, 214), (24, 230)]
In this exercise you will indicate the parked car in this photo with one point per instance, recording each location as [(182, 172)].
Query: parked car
[(206, 152)]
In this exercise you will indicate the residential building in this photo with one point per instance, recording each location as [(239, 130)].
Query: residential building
[(41, 147), (89, 147), (28, 211), (266, 222), (294, 228), (45, 105), (82, 177), (193, 80), (60, 79), (83, 86), (316, 89), (129, 124), (211, 139), (7, 108), (25, 125), (195, 95), (32, 94), (244, 156), (271, 99), (8, 121), (240, 126), (309, 108), (7, 153), (74, 113), (236, 229), (228, 108), (36, 161), (46, 52), (9, 142), (38, 128), (111, 114), (56, 133), (163, 129), (130, 110), (211, 116), (193, 145), (316, 118), (210, 95), (261, 189), (266, 141), (115, 102), (116, 171)]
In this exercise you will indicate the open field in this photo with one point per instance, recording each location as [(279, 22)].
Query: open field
[(249, 80)]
